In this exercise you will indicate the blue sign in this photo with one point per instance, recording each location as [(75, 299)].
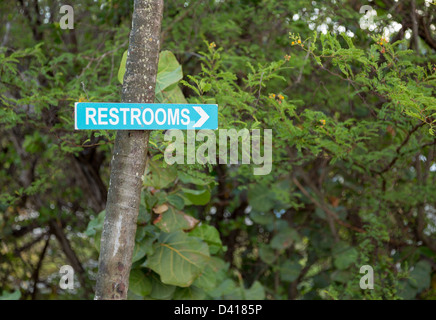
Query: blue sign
[(144, 116)]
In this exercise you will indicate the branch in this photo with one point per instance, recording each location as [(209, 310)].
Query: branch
[(56, 228), (389, 166), (38, 268), (415, 35), (326, 209), (30, 244), (425, 33)]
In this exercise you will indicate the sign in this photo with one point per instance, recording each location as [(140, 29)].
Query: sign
[(144, 116)]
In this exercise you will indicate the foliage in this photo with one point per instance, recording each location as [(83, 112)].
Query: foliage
[(353, 176)]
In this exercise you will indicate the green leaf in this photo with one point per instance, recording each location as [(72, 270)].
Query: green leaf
[(210, 235), (420, 277), (97, 240), (203, 180), (407, 291), (344, 255), (178, 258), (219, 268), (159, 290), (169, 71), (190, 293), (225, 288), (95, 224), (176, 201), (197, 197), (256, 292), (341, 276), (140, 250), (266, 253), (289, 271), (149, 200), (213, 273), (207, 279), (262, 217), (139, 284), (172, 94), (174, 220), (143, 216), (16, 295), (284, 239), (159, 177), (122, 69), (260, 198)]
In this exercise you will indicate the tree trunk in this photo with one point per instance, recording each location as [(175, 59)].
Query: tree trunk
[(128, 161)]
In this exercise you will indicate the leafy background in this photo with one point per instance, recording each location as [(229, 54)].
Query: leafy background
[(353, 176)]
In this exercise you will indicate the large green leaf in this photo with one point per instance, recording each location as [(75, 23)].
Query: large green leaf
[(16, 295), (285, 238), (341, 276), (144, 215), (290, 270), (201, 179), (176, 200), (172, 94), (210, 235), (159, 177), (139, 284), (169, 72), (255, 292), (95, 224), (178, 258), (261, 198), (420, 277), (224, 289), (197, 197), (139, 250), (190, 293), (344, 255), (267, 254), (145, 236), (406, 290), (207, 279), (262, 217), (213, 273), (174, 220), (159, 290)]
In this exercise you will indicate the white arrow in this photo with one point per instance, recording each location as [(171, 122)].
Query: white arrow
[(204, 116)]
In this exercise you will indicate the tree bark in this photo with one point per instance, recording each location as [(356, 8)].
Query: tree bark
[(130, 151)]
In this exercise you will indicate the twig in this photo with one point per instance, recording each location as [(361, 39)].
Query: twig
[(415, 35), (325, 208), (38, 268), (304, 64), (400, 147)]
